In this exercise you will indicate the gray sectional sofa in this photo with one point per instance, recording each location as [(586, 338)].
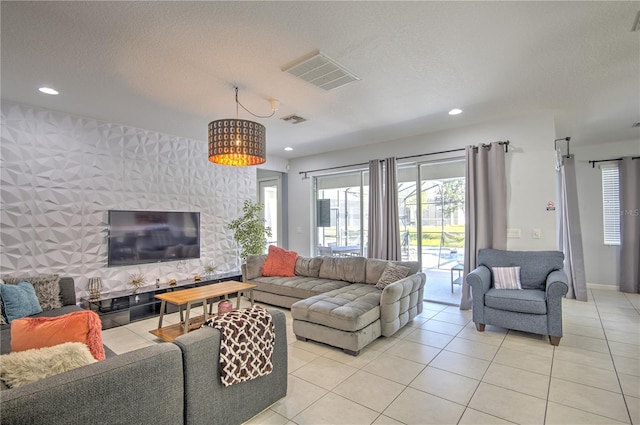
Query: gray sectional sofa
[(334, 300), (168, 383)]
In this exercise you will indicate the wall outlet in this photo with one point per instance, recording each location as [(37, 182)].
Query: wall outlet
[(535, 234), (513, 233)]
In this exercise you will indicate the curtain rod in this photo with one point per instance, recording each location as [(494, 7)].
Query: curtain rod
[(504, 143), (593, 162)]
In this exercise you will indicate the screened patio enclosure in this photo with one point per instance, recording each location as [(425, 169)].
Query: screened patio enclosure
[(431, 213), (431, 209)]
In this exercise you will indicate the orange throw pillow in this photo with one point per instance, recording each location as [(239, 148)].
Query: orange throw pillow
[(280, 262), (40, 332)]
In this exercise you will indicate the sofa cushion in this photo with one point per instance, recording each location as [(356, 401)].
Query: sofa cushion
[(308, 266), (81, 326), (347, 269), (279, 262), (530, 301), (19, 300), (25, 367), (535, 266), (375, 267), (253, 266), (392, 273), (147, 384), (46, 286), (298, 286), (506, 277), (349, 309)]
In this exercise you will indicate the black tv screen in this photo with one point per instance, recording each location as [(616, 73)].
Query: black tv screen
[(139, 237)]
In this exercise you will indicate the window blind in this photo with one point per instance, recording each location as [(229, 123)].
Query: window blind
[(611, 204)]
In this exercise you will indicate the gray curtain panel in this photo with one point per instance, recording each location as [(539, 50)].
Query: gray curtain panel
[(629, 225), (391, 219), (485, 207), (374, 242), (569, 233), (384, 227)]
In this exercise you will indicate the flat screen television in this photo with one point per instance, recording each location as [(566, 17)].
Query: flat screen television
[(139, 237)]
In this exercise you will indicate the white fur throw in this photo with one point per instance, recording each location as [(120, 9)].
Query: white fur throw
[(24, 367)]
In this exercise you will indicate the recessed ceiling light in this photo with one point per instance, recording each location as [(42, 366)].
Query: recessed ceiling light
[(48, 90), (288, 148), (455, 111)]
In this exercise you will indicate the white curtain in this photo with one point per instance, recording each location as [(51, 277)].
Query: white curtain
[(485, 207), (569, 233), (384, 227), (629, 173)]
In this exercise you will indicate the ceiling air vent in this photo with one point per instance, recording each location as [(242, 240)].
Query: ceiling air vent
[(295, 119), (321, 71)]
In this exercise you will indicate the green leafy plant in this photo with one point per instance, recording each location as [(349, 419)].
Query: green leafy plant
[(250, 230)]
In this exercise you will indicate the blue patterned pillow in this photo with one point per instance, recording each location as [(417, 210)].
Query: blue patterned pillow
[(19, 300), (506, 277)]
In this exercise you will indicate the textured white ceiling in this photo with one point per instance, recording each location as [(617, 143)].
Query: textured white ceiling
[(171, 66)]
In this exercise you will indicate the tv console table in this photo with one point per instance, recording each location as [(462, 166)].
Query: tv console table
[(117, 308)]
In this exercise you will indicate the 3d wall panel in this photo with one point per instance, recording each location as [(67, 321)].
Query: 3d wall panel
[(60, 174)]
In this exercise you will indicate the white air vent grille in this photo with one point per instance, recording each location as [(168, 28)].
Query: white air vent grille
[(293, 119), (321, 71)]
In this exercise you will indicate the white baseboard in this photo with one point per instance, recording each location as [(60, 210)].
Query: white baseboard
[(600, 286)]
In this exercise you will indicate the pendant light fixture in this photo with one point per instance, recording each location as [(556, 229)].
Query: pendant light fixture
[(239, 142)]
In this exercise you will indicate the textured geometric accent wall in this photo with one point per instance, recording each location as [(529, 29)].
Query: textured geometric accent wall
[(60, 174)]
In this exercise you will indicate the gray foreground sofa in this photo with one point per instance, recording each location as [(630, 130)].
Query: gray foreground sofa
[(168, 383), (334, 300)]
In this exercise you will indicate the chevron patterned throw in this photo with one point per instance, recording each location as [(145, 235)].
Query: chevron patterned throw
[(247, 338)]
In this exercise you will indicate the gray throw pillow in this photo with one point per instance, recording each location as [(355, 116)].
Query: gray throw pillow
[(392, 273), (47, 287)]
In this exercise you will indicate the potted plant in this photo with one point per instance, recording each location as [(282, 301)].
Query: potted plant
[(250, 230)]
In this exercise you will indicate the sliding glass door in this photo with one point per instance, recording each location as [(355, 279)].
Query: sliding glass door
[(432, 224), (431, 213), (443, 228), (341, 214)]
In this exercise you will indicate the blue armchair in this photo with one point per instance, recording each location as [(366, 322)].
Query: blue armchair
[(536, 308)]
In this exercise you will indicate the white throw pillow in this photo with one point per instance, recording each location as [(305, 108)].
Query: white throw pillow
[(506, 277), (24, 367)]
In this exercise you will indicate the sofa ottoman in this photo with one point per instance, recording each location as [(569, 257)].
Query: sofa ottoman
[(348, 317)]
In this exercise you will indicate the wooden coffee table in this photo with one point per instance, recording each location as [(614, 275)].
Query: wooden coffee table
[(188, 297)]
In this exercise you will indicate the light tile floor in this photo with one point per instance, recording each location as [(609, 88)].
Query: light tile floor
[(440, 370)]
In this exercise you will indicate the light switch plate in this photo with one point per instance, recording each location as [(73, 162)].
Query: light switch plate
[(535, 234), (513, 233)]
